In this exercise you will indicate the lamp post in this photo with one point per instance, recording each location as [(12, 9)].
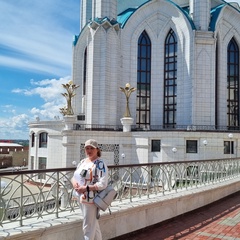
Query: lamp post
[(74, 163), (123, 156), (230, 136), (205, 144)]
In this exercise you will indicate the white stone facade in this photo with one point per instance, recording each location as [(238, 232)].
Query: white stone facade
[(105, 57)]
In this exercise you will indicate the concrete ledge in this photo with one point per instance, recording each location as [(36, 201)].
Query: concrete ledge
[(126, 216), (146, 212)]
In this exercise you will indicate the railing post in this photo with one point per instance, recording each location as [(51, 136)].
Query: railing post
[(149, 178), (2, 203), (57, 196), (64, 195), (21, 201), (131, 172)]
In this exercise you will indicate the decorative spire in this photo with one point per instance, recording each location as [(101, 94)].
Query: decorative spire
[(70, 87), (127, 91)]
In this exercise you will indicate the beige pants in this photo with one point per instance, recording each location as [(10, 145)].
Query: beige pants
[(91, 229)]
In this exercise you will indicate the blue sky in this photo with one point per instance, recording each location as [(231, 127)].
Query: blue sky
[(35, 59)]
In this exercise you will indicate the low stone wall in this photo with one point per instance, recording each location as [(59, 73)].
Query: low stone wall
[(144, 213), (127, 217)]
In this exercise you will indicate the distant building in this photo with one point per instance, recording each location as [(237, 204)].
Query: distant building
[(12, 154), (183, 58)]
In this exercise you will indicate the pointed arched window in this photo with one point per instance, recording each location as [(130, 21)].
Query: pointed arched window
[(84, 71), (143, 81), (170, 80), (233, 84)]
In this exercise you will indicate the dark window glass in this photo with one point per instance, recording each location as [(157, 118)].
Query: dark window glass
[(156, 146), (228, 147), (191, 146), (233, 85), (33, 140), (170, 80), (143, 81), (85, 72), (43, 140)]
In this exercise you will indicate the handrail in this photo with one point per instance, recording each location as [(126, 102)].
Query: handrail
[(37, 193), (142, 127)]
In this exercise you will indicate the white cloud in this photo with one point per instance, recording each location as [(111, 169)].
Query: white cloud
[(38, 35), (14, 127), (8, 109), (49, 90), (30, 65), (36, 38), (17, 122)]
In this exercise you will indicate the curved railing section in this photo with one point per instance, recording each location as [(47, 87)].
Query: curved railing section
[(37, 193)]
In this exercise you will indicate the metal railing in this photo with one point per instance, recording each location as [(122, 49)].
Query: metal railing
[(142, 127), (37, 193)]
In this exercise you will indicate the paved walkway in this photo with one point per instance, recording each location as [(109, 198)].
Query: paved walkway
[(219, 220)]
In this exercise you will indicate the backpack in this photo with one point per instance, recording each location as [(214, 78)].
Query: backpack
[(104, 198)]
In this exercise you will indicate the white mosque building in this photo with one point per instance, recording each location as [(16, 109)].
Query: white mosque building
[(182, 59)]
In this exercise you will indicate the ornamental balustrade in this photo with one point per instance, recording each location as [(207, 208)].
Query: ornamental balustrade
[(143, 127), (26, 194)]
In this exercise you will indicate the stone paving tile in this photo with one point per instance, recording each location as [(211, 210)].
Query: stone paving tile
[(219, 220)]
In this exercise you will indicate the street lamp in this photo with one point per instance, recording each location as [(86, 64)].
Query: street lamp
[(230, 136), (74, 163), (205, 144), (174, 150)]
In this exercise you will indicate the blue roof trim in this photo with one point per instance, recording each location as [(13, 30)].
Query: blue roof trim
[(123, 17), (75, 39), (97, 20), (215, 12), (102, 20), (214, 16)]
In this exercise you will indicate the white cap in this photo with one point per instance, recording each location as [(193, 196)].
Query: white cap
[(91, 142)]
